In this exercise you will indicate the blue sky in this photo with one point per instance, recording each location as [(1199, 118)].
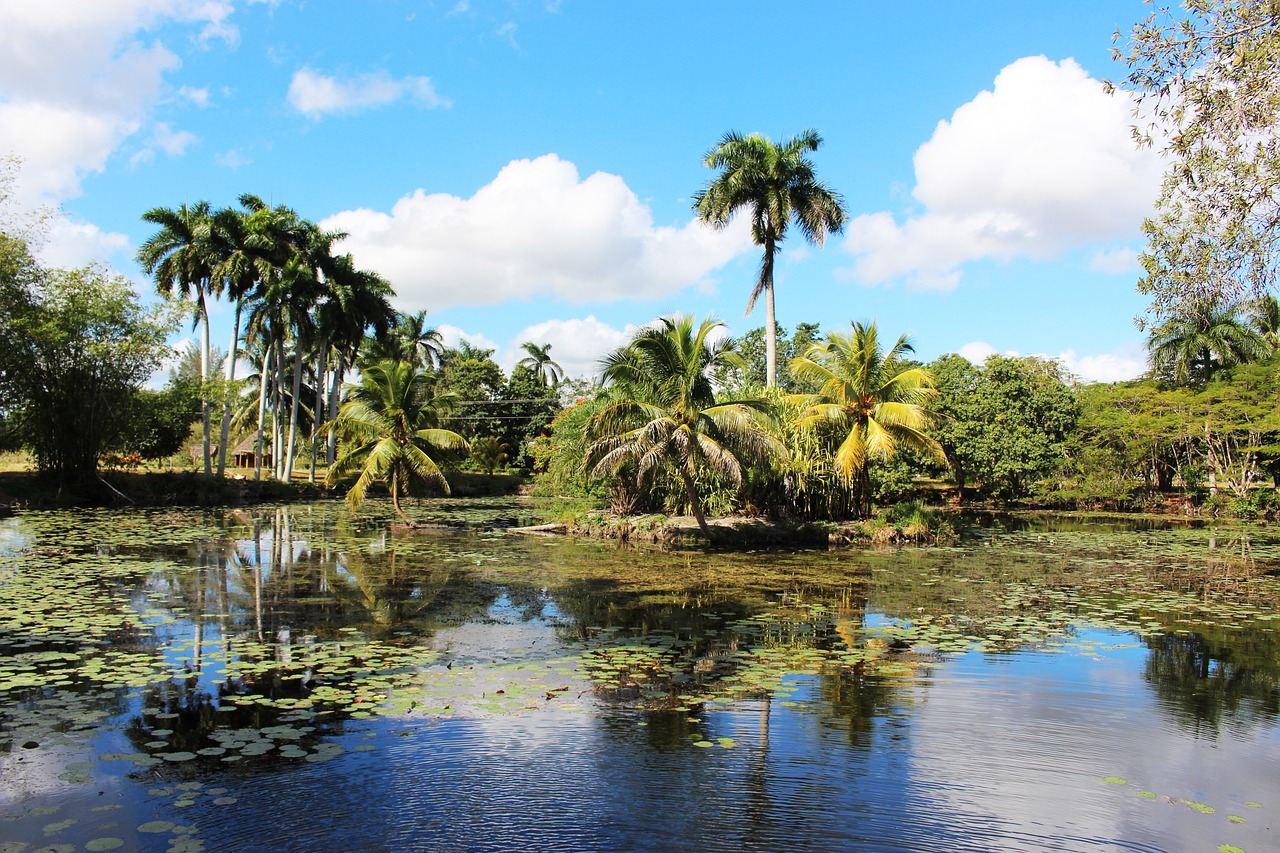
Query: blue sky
[(523, 170)]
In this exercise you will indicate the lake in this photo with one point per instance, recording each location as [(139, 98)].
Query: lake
[(295, 679)]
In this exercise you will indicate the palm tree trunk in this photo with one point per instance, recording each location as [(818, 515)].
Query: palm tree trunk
[(770, 326), (277, 456), (262, 410), (331, 453), (395, 499), (204, 379), (695, 505), (322, 355), (293, 412), (232, 354)]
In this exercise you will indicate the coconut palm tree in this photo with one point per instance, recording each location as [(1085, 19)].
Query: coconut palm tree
[(181, 257), (539, 361), (391, 421), (776, 183), (1191, 347), (663, 414), (874, 401)]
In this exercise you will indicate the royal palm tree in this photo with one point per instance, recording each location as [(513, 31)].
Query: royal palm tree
[(1192, 346), (663, 414), (181, 257), (539, 361), (874, 402), (776, 183), (390, 422)]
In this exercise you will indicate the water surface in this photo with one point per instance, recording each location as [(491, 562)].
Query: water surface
[(291, 678)]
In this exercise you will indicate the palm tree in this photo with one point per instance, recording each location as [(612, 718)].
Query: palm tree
[(539, 361), (1265, 319), (874, 401), (391, 420), (663, 414), (1191, 347), (777, 184), (490, 452), (181, 257)]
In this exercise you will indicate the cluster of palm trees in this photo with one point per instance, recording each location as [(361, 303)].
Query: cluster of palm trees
[(660, 414), (304, 308)]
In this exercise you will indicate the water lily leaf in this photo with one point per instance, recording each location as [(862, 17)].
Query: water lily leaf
[(104, 844)]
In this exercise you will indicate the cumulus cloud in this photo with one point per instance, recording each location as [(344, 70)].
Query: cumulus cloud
[(1041, 164), (67, 244), (1127, 362), (315, 94), (452, 336), (76, 80), (166, 139), (577, 345), (1121, 261), (537, 230)]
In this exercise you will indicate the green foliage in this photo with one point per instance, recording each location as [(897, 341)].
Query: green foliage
[(160, 421), (751, 346), (526, 408), (476, 382), (74, 347), (559, 457), (1005, 424), (1198, 341)]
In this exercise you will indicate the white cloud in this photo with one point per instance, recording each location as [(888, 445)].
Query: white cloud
[(66, 244), (233, 159), (316, 94), (199, 97), (76, 80), (1121, 261), (1041, 164), (577, 345), (452, 336), (977, 352), (1127, 362), (537, 230), (171, 142)]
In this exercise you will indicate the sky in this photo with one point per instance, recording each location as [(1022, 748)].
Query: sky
[(523, 169)]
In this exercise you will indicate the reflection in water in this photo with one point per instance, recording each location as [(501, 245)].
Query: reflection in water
[(479, 691)]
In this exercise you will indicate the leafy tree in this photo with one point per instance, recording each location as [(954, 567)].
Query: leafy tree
[(476, 381), (777, 184), (751, 346), (662, 413), (1004, 424), (74, 347), (160, 421), (391, 421), (874, 404), (540, 362), (409, 339), (1206, 81), (527, 407), (1199, 340)]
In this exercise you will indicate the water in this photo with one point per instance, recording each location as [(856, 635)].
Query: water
[(294, 679)]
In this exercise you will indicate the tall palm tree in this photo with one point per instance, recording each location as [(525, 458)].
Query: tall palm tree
[(390, 421), (181, 257), (664, 416), (243, 249), (776, 183), (870, 397), (539, 361), (1192, 346)]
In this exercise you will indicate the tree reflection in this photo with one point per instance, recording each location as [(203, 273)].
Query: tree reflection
[(1208, 682)]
